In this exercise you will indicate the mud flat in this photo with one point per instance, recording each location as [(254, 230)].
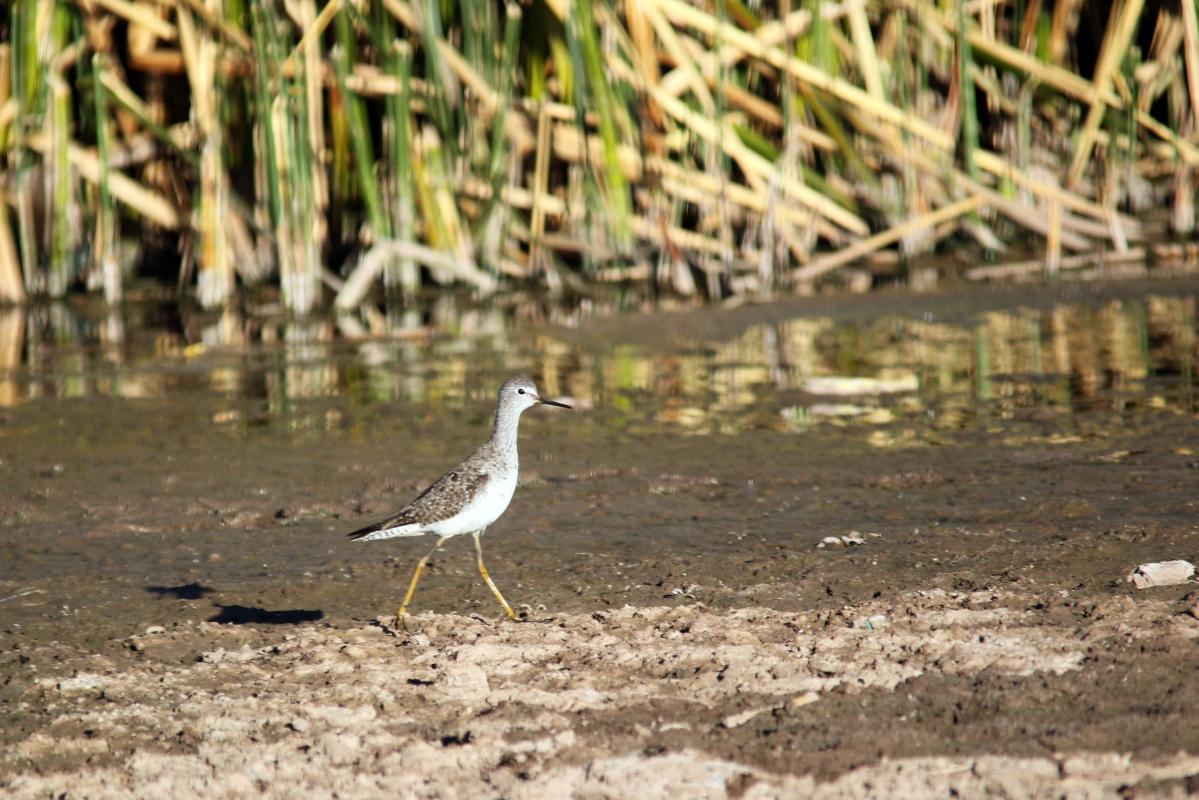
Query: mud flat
[(728, 595), (933, 694)]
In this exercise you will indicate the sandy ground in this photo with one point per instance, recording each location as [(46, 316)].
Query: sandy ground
[(633, 702)]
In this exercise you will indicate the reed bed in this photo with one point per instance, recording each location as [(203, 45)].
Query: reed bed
[(341, 152)]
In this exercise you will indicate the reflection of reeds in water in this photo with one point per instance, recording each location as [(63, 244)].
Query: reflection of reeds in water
[(1096, 349), (1123, 349), (799, 350), (307, 368), (1090, 351), (12, 340), (225, 334), (1069, 357), (1172, 339), (737, 369)]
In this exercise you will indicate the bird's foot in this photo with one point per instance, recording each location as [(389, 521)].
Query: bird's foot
[(394, 626)]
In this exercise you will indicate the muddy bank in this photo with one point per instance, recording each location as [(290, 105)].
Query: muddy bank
[(931, 694), (180, 611), (208, 627)]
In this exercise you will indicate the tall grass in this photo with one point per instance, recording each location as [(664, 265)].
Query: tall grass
[(709, 147)]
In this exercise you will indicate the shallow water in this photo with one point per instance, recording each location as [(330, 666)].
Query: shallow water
[(946, 359)]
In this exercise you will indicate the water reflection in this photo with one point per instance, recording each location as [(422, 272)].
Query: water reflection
[(785, 375)]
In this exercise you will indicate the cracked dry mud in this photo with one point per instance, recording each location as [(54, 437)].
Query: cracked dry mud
[(657, 702)]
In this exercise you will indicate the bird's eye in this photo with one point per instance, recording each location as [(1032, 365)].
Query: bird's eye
[(520, 391)]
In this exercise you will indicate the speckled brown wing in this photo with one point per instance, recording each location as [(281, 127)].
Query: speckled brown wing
[(442, 500)]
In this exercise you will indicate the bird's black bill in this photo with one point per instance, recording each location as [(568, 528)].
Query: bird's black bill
[(553, 403)]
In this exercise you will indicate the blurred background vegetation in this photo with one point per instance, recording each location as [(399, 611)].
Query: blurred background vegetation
[(351, 151)]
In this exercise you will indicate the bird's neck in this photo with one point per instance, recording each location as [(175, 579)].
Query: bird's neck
[(503, 434)]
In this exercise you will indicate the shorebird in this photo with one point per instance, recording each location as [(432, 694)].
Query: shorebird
[(469, 497)]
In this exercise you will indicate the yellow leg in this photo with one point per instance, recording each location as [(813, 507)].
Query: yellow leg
[(491, 584), (420, 568)]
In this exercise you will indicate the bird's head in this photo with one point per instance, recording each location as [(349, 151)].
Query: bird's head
[(521, 392)]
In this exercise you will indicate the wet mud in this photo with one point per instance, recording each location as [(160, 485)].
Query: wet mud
[(180, 611)]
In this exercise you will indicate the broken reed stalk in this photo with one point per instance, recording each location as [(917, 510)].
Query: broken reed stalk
[(819, 266), (402, 273), (61, 230), (200, 52), (1125, 16), (107, 232), (300, 282), (548, 142), (12, 288), (295, 194)]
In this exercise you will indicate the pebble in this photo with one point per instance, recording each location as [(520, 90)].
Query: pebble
[(871, 623), (801, 700), (853, 539), (736, 720), (1161, 573)]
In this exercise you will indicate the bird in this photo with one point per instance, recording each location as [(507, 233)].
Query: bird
[(469, 497)]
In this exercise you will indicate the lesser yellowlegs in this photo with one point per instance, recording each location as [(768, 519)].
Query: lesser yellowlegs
[(469, 497)]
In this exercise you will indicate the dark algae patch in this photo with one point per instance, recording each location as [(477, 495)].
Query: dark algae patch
[(735, 585)]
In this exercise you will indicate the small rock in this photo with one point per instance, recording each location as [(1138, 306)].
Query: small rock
[(871, 623), (801, 700), (735, 720), (1161, 573), (83, 682), (852, 539), (154, 629), (674, 726)]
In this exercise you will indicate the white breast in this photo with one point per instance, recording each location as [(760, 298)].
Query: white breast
[(484, 509)]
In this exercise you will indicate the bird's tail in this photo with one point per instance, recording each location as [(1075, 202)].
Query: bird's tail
[(384, 530)]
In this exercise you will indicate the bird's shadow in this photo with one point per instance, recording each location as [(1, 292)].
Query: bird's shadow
[(188, 591), (236, 614), (249, 615)]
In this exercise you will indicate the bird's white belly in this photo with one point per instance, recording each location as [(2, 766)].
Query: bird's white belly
[(484, 509)]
